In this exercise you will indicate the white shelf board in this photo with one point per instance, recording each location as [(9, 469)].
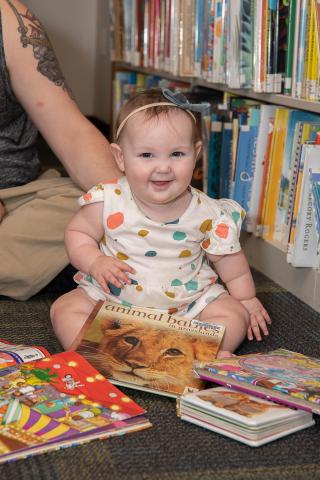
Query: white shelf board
[(304, 283)]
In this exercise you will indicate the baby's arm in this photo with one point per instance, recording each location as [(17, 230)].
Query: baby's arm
[(235, 272), (82, 236)]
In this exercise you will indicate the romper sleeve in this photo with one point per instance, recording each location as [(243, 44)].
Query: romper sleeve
[(223, 237), (94, 195)]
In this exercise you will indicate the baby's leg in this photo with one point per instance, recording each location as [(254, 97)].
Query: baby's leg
[(227, 311), (68, 314)]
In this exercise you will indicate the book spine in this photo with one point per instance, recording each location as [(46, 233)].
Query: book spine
[(199, 38), (271, 44), (290, 48), (187, 38), (306, 242), (282, 45), (246, 44), (266, 116), (233, 48), (301, 49)]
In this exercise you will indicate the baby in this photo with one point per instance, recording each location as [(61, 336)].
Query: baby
[(151, 240)]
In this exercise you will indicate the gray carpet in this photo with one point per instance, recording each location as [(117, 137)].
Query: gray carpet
[(173, 449)]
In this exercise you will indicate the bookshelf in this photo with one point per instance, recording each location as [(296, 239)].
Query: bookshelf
[(266, 256)]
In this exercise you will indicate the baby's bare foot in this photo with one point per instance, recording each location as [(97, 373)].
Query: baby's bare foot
[(225, 354)]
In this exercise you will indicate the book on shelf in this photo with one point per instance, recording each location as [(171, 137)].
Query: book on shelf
[(267, 45), (147, 349), (245, 161), (246, 42), (274, 174), (304, 249), (315, 192), (288, 167), (267, 113), (290, 47), (303, 17), (281, 375), (305, 132), (48, 402), (240, 416)]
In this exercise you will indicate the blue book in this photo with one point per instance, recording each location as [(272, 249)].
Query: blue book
[(215, 144), (246, 159), (225, 160)]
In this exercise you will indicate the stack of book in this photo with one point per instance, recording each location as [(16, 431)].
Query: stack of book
[(263, 397), (240, 416)]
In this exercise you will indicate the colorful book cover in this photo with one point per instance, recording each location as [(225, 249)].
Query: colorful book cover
[(60, 401), (240, 416), (280, 375), (146, 349)]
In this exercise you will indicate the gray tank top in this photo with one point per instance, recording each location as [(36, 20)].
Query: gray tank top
[(19, 163)]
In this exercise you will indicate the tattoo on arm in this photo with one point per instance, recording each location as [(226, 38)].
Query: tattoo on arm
[(32, 33)]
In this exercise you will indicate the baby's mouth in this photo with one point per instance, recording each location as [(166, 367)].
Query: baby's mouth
[(161, 183)]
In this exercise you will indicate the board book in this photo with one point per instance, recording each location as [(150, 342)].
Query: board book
[(57, 401), (147, 349), (280, 375), (241, 416)]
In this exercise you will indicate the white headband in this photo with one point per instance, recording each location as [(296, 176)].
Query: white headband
[(144, 107)]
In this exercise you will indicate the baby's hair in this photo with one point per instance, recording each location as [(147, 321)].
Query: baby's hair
[(148, 97)]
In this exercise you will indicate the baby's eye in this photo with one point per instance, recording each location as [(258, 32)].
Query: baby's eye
[(145, 155), (177, 154)]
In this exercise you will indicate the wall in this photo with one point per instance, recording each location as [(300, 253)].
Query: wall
[(77, 30)]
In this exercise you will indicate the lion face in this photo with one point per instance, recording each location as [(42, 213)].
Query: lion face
[(149, 357)]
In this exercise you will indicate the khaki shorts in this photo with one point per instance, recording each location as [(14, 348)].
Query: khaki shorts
[(32, 249)]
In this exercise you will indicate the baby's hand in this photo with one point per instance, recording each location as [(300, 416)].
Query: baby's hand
[(259, 318), (108, 269)]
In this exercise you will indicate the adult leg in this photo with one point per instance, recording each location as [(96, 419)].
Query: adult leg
[(229, 312), (69, 313), (32, 249)]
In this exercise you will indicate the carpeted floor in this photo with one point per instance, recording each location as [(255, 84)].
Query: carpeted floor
[(173, 449)]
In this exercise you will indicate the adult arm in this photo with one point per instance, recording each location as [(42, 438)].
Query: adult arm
[(38, 84)]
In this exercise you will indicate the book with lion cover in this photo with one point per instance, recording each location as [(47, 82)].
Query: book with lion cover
[(147, 349)]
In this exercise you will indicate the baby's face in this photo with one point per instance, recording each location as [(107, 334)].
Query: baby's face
[(158, 159)]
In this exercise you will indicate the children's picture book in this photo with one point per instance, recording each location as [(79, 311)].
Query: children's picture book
[(241, 416), (280, 375), (147, 349), (57, 401)]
